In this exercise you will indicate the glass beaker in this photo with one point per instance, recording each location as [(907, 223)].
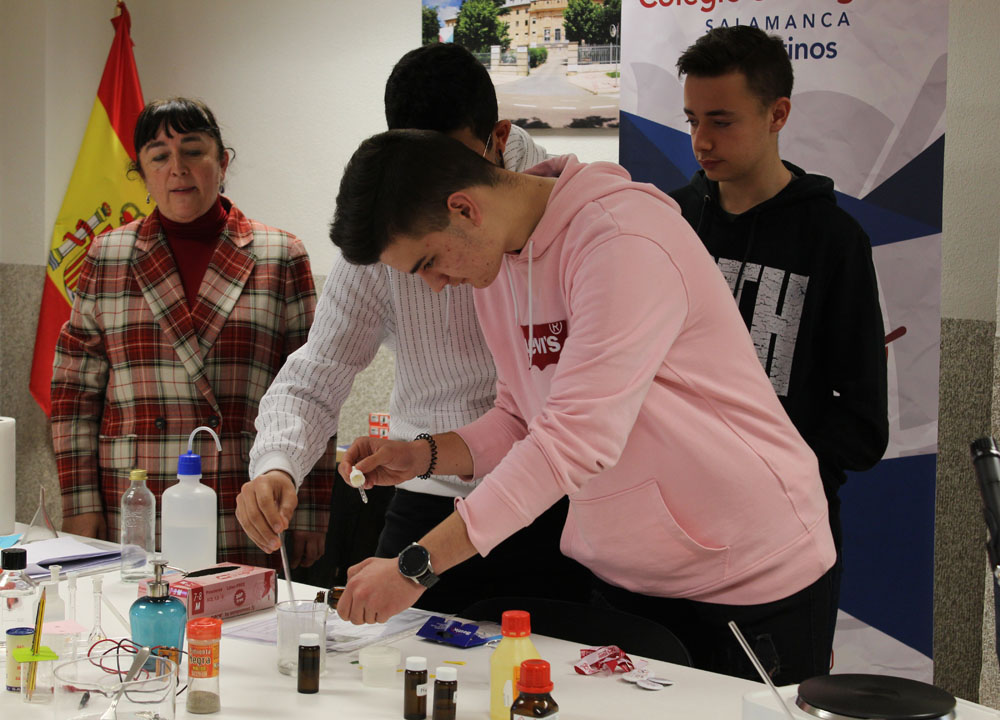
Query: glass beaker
[(294, 618)]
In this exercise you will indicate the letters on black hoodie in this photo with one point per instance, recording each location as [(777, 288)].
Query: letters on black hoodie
[(801, 271)]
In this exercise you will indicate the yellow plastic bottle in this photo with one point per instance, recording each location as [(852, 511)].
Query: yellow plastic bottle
[(505, 663)]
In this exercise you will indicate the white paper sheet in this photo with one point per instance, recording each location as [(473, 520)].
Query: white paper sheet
[(341, 636), (68, 552)]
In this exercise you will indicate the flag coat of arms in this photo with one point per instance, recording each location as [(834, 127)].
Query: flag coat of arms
[(100, 196)]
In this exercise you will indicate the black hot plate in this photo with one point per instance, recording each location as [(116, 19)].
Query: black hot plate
[(873, 697)]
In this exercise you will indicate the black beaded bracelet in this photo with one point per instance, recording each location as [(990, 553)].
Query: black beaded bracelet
[(434, 454)]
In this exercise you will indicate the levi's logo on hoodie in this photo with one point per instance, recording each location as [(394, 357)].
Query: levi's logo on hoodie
[(546, 343)]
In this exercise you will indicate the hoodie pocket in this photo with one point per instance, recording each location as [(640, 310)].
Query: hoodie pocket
[(631, 538)]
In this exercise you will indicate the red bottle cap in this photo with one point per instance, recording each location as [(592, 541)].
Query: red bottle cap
[(206, 628), (515, 623), (534, 677)]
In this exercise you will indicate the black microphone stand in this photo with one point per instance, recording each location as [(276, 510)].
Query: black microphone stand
[(986, 461)]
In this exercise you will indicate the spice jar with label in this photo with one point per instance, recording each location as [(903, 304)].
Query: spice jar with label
[(203, 665)]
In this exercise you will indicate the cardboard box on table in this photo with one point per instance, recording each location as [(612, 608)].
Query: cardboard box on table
[(237, 590)]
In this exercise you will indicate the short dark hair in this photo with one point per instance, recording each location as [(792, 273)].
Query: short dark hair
[(175, 115), (398, 182), (762, 58), (443, 87)]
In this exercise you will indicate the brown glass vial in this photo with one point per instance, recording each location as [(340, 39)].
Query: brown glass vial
[(445, 693), (308, 671), (415, 688), (331, 597), (534, 686)]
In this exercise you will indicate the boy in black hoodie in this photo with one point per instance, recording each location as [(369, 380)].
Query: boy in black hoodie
[(799, 267)]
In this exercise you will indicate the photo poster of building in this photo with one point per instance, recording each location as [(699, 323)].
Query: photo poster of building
[(868, 110), (554, 63)]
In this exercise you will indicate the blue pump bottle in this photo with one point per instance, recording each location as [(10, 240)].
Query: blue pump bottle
[(157, 619)]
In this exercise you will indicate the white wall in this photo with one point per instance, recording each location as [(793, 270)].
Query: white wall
[(971, 223), (22, 132), (296, 85)]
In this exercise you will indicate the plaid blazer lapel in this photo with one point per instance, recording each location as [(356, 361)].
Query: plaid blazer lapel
[(227, 273), (160, 281)]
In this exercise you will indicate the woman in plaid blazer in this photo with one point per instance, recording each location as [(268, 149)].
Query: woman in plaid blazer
[(180, 319)]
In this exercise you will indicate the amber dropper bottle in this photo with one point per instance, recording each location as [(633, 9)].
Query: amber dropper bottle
[(415, 688)]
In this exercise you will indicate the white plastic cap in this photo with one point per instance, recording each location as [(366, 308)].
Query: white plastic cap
[(416, 662), (54, 573), (446, 674), (309, 640), (357, 478)]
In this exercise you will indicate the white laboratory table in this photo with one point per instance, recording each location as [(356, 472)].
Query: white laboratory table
[(251, 686)]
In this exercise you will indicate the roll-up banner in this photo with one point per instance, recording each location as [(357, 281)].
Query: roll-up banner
[(868, 110)]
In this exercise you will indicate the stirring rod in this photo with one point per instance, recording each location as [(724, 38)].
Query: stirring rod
[(284, 564), (357, 480), (760, 668)]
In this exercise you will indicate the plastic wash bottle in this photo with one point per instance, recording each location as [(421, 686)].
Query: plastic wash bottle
[(505, 663), (190, 515)]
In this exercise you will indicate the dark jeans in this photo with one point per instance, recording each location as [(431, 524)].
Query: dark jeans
[(791, 637), (837, 571), (527, 563)]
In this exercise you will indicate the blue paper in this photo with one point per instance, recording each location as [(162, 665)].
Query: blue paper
[(452, 632), (7, 541)]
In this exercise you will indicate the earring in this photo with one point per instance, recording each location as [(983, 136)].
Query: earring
[(147, 198)]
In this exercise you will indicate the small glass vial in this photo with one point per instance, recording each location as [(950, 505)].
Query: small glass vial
[(331, 597), (534, 686), (308, 679), (445, 693), (415, 688), (203, 665)]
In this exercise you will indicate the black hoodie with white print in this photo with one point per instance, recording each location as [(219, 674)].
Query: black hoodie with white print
[(801, 270)]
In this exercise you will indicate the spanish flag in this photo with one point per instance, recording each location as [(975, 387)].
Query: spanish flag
[(99, 198)]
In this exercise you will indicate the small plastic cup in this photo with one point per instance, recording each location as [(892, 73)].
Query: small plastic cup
[(378, 665), (41, 688), (294, 618)]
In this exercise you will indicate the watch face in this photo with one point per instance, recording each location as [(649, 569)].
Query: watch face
[(413, 560)]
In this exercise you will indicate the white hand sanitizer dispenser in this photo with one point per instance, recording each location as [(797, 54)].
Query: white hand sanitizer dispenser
[(190, 514)]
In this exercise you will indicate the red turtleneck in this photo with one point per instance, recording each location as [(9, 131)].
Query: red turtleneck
[(193, 243)]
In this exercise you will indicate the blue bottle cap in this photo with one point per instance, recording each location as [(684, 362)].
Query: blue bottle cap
[(189, 464)]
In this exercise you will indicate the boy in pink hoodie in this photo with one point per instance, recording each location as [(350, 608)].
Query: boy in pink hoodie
[(626, 381)]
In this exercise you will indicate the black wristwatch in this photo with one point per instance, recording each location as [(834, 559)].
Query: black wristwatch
[(415, 563)]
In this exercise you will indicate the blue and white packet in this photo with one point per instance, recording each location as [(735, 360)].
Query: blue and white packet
[(455, 633)]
